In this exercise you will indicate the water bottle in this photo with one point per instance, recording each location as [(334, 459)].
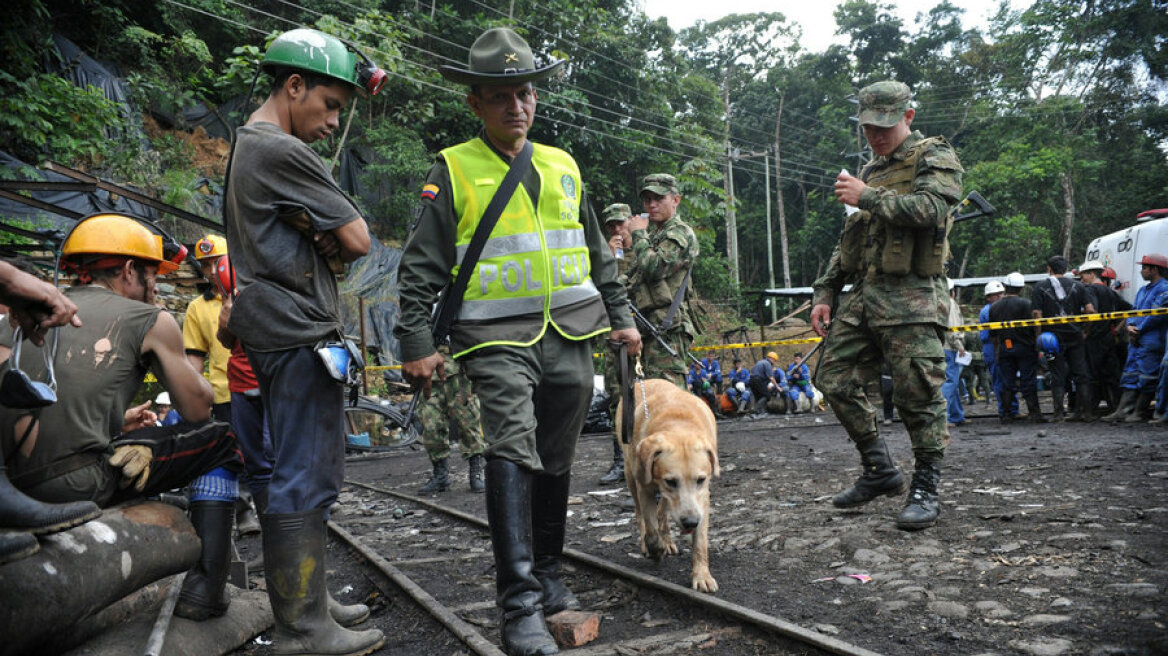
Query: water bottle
[(620, 251)]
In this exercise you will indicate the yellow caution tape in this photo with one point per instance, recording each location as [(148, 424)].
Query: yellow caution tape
[(1022, 323)]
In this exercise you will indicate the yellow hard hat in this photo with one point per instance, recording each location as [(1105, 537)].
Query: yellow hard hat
[(210, 246), (774, 356), (115, 234)]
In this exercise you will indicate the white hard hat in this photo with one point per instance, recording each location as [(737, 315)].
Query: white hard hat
[(162, 399), (1091, 265), (1015, 279), (994, 287), (740, 386)]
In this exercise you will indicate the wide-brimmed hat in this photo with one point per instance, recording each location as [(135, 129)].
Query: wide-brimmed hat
[(499, 56)]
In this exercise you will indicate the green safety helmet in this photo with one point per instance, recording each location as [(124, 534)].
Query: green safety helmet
[(316, 52)]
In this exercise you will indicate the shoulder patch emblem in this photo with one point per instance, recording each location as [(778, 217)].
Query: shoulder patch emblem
[(430, 192), (569, 185)]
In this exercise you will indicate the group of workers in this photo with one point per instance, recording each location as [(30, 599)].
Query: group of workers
[(526, 295), (1117, 363)]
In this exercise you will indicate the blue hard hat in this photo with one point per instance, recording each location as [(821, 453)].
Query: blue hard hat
[(1048, 343)]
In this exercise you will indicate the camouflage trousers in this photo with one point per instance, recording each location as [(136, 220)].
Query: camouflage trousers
[(849, 376), (656, 361), (449, 401)]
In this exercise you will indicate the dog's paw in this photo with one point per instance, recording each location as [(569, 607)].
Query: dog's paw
[(653, 547), (704, 582), (669, 546)]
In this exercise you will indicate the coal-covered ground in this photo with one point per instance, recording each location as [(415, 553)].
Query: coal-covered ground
[(1053, 538)]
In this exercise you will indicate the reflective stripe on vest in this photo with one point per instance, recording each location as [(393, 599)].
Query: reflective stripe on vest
[(533, 261)]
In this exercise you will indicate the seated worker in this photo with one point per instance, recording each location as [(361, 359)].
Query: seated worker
[(712, 369), (91, 444), (738, 386), (163, 408), (34, 306), (799, 378), (699, 384)]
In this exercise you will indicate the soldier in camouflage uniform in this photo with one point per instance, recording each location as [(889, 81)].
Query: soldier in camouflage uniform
[(892, 251), (452, 400), (664, 251), (615, 216)]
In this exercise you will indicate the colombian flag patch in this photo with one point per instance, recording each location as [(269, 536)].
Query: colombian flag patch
[(430, 192)]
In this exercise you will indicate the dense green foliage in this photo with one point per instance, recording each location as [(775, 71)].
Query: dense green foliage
[(1058, 111)]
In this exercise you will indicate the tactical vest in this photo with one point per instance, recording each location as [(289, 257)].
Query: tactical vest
[(654, 297), (895, 250), (534, 261)]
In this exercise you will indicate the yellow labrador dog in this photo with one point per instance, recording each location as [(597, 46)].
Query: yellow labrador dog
[(673, 451)]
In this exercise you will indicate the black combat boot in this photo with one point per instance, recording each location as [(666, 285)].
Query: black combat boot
[(923, 507), (23, 513), (439, 479), (616, 473), (880, 477), (255, 564), (204, 591), (247, 522), (1142, 410), (294, 551), (14, 546), (519, 593), (474, 474), (1035, 410), (549, 512), (1126, 403)]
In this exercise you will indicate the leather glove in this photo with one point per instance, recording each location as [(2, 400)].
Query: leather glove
[(134, 461)]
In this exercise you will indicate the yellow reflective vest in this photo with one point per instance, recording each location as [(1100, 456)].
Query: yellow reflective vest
[(536, 261)]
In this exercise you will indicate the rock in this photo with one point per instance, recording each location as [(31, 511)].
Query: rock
[(870, 556), (949, 609), (914, 593), (1062, 602), (1034, 592), (573, 628), (894, 606), (1056, 571), (1042, 646), (1044, 619), (1134, 589)]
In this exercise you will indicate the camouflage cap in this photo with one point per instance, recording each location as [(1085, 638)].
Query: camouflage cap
[(617, 212), (883, 104), (660, 184)]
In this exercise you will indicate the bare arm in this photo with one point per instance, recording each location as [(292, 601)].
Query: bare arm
[(190, 392), (353, 239), (34, 305)]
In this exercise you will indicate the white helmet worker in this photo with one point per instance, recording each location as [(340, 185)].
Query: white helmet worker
[(162, 399), (994, 287), (1014, 279), (740, 386)]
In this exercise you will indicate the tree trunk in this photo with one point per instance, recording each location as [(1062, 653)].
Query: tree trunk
[(1068, 211), (731, 219), (784, 255)]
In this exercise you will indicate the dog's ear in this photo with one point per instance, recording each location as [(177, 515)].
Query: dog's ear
[(715, 470), (648, 451)]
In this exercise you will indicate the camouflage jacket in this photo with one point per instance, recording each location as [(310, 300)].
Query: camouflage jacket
[(662, 256), (880, 299)]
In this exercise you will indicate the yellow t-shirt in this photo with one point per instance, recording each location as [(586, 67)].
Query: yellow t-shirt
[(199, 327)]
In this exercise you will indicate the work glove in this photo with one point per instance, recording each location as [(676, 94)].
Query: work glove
[(134, 461)]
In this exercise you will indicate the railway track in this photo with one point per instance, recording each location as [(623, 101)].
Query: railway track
[(441, 558)]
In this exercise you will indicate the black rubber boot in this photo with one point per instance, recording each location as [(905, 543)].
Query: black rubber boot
[(1085, 406), (1057, 394), (255, 564), (439, 479), (519, 593), (1126, 403), (204, 592), (22, 512), (880, 477), (14, 546), (616, 473), (549, 512), (922, 508), (294, 551), (474, 474), (1035, 410), (1142, 410)]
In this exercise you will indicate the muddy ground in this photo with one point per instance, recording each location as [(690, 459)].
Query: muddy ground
[(1053, 539)]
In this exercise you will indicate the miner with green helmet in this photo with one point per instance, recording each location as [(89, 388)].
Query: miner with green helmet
[(285, 217), (544, 285), (892, 251)]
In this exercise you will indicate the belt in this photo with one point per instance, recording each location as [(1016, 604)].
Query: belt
[(66, 465)]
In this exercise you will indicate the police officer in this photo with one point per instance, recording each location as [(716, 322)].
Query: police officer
[(892, 251), (545, 284), (664, 250), (451, 400)]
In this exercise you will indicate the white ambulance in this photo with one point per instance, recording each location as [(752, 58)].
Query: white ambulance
[(1123, 250)]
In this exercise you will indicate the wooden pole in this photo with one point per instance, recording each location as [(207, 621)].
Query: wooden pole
[(364, 353)]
